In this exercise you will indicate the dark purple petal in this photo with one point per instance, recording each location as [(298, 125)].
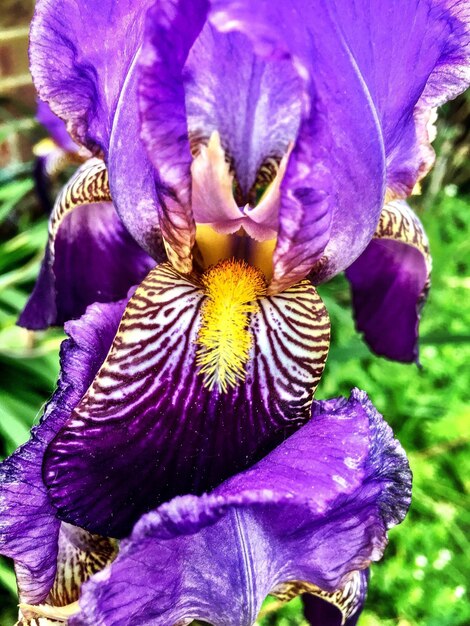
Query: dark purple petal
[(29, 531), (55, 127), (390, 282), (90, 256), (342, 607), (95, 260), (150, 410), (315, 509)]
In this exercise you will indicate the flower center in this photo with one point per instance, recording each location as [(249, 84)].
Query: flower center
[(227, 225), (224, 340)]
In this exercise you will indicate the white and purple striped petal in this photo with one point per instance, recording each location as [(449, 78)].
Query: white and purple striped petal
[(151, 410)]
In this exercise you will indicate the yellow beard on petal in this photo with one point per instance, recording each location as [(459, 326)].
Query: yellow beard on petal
[(224, 341)]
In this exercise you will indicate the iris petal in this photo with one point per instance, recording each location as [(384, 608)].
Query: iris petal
[(332, 184), (185, 437), (30, 528), (185, 98), (171, 30), (340, 608), (254, 103), (371, 75), (90, 257), (83, 64), (390, 282), (80, 55), (368, 79), (80, 555), (315, 509)]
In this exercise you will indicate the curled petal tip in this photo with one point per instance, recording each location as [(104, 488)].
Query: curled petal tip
[(390, 282)]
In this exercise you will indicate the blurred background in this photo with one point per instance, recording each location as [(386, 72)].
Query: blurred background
[(425, 575)]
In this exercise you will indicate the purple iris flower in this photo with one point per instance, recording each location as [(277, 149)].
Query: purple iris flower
[(259, 148), (369, 120)]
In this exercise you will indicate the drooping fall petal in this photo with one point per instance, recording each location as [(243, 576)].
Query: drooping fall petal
[(152, 409), (90, 257), (314, 510), (30, 528), (390, 282)]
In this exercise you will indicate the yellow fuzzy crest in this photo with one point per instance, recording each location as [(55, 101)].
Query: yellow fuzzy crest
[(232, 288)]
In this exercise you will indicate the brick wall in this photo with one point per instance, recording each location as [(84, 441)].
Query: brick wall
[(17, 96)]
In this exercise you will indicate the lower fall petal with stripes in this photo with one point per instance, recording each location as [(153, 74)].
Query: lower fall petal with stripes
[(149, 428)]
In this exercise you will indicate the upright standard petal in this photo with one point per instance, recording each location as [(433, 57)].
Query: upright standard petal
[(252, 102), (154, 405), (392, 64), (81, 53), (30, 529), (83, 64), (390, 282), (171, 30), (252, 86), (90, 257), (448, 34), (313, 511)]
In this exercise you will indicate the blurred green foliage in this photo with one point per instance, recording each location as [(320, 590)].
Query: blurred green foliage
[(424, 577)]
